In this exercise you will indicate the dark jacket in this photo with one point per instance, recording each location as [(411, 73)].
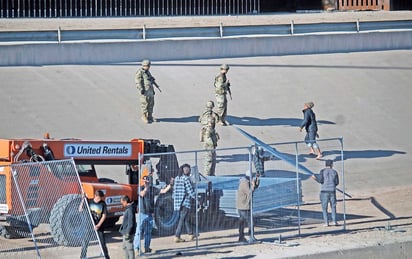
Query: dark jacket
[(128, 226), (329, 179), (309, 120)]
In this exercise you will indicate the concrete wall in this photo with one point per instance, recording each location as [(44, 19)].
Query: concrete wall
[(24, 54)]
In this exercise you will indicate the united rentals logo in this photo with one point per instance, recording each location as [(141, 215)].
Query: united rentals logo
[(97, 150)]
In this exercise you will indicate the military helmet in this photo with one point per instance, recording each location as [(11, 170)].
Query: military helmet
[(210, 104), (146, 62), (224, 66)]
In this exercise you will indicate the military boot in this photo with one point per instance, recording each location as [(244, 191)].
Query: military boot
[(144, 118), (151, 118)]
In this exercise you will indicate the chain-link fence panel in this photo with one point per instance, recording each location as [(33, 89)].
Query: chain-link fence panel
[(48, 214), (305, 217), (284, 201), (215, 210)]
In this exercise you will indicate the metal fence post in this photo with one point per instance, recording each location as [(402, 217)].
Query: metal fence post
[(251, 225), (59, 36), (343, 182), (297, 185)]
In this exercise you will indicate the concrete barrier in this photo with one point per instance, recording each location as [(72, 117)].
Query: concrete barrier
[(98, 52)]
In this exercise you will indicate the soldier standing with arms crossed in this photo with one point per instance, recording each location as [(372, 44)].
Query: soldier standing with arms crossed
[(222, 87), (144, 83)]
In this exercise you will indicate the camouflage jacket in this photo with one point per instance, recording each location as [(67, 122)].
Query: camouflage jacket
[(208, 115), (222, 86), (144, 80)]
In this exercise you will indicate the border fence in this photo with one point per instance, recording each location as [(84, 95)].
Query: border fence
[(46, 212), (278, 208), (124, 8)]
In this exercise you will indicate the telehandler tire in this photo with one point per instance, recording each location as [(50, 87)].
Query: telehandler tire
[(68, 225)]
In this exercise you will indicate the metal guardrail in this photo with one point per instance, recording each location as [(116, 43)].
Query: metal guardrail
[(200, 32)]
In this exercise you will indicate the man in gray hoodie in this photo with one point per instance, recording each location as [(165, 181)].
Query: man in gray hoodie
[(128, 227), (329, 179)]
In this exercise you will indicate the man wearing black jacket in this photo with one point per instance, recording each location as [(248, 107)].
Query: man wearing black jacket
[(128, 227), (310, 125)]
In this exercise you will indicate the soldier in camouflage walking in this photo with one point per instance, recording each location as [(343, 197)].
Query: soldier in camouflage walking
[(144, 83), (209, 139), (222, 88)]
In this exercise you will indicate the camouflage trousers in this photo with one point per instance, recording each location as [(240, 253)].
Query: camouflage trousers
[(147, 104), (209, 162), (221, 105)]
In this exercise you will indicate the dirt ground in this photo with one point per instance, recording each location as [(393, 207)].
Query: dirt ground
[(377, 219)]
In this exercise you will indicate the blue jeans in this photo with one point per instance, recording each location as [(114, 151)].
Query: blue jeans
[(325, 199), (310, 139), (144, 226), (184, 220)]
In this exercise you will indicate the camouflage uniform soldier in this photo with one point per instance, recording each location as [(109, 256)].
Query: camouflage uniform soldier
[(144, 83), (208, 114), (222, 87), (209, 139)]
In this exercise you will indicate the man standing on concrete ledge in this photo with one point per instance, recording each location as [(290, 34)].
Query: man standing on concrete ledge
[(144, 83), (222, 88), (329, 179)]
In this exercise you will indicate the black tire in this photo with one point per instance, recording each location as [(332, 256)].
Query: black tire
[(68, 225), (165, 217), (10, 232)]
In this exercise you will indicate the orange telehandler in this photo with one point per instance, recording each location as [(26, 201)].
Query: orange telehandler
[(86, 155)]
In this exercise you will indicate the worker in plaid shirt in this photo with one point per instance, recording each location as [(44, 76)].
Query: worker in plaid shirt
[(182, 194)]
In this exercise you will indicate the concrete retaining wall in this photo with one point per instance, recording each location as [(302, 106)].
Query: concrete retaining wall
[(182, 49)]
